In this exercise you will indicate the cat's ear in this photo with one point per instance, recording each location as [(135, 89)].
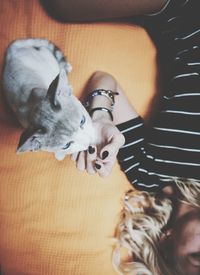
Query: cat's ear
[(59, 89), (31, 140)]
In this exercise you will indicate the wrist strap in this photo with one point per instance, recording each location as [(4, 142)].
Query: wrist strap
[(101, 109)]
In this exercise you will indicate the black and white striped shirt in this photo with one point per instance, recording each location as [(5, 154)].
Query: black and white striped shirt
[(171, 147)]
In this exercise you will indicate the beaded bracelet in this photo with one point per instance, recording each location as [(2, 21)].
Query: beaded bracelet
[(101, 109), (107, 93)]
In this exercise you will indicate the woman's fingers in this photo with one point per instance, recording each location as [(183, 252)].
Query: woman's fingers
[(85, 159), (80, 161), (100, 169), (74, 156), (111, 149), (104, 168), (90, 158)]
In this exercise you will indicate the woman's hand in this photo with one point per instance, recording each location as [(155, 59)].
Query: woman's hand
[(108, 147), (101, 157)]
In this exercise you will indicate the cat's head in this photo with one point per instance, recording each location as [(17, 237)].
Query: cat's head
[(59, 123)]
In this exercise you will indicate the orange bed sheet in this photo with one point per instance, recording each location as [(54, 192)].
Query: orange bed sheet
[(55, 219)]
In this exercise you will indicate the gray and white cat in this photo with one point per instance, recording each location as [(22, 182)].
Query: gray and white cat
[(37, 89)]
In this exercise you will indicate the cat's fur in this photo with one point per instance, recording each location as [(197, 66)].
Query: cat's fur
[(37, 89)]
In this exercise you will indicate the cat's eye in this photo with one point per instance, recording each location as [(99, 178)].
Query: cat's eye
[(67, 145), (82, 121)]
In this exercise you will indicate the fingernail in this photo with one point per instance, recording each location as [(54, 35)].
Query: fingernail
[(98, 166), (91, 149), (105, 154)]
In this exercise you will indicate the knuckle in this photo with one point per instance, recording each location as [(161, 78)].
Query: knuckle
[(80, 168), (91, 171), (105, 174)]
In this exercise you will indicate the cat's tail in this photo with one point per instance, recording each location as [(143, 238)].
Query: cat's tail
[(38, 43)]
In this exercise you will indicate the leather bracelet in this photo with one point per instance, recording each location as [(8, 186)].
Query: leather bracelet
[(107, 93), (101, 109)]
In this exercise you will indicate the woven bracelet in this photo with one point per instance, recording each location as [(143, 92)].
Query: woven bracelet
[(101, 109)]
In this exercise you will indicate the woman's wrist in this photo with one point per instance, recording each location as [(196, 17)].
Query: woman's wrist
[(121, 109), (101, 114), (100, 107), (100, 100)]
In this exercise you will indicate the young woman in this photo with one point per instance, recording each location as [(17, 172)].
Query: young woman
[(153, 159), (171, 238)]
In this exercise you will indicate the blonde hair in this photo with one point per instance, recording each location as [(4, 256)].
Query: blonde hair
[(140, 229)]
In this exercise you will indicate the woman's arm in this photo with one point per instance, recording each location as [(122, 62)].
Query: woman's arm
[(130, 130), (101, 156), (99, 10), (123, 110)]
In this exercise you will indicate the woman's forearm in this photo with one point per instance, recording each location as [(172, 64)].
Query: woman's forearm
[(123, 110), (98, 10)]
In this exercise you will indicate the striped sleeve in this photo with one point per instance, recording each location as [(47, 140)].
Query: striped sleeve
[(133, 158), (170, 148)]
